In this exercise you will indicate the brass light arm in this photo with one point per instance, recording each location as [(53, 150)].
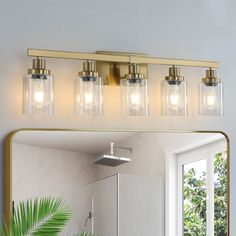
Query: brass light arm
[(120, 57), (77, 55), (176, 62)]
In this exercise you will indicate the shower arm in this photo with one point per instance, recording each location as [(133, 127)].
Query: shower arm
[(113, 146)]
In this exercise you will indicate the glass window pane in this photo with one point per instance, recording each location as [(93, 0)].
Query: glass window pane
[(194, 198), (220, 194)]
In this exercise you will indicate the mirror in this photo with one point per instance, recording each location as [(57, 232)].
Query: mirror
[(120, 183)]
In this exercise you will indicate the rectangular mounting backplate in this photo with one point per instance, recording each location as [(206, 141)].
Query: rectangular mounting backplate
[(112, 72)]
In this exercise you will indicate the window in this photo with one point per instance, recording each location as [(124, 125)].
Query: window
[(199, 183), (194, 195)]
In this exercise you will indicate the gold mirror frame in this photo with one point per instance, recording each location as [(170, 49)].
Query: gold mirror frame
[(8, 162)]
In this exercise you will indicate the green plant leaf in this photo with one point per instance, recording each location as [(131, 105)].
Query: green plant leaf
[(46, 216)]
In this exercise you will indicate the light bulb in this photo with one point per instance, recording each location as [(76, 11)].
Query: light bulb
[(210, 100), (88, 97), (210, 97), (88, 90), (174, 99), (39, 97), (135, 99)]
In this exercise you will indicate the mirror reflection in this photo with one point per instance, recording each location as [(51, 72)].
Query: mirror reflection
[(127, 183)]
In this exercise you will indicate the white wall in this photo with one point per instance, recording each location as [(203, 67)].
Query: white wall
[(202, 29), (40, 172)]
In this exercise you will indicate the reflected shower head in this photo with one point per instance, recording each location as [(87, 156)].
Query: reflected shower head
[(109, 160), (112, 160)]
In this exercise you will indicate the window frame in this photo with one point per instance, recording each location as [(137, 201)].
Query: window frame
[(175, 159)]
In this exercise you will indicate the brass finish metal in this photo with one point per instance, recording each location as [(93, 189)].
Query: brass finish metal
[(89, 69), (8, 163), (8, 177), (120, 57), (112, 72), (211, 77), (134, 72), (174, 74), (177, 62), (76, 55), (39, 67)]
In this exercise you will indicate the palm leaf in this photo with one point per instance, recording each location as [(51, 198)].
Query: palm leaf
[(45, 216)]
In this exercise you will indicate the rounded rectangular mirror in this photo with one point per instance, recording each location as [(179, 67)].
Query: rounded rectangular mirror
[(123, 183)]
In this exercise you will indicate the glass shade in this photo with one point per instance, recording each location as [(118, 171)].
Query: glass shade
[(211, 99), (38, 94), (88, 96), (134, 97), (174, 98)]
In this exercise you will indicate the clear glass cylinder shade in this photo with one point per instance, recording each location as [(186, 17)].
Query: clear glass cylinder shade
[(174, 98), (134, 97), (211, 99), (38, 94), (88, 96)]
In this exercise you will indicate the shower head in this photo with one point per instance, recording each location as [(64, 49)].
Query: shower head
[(110, 160)]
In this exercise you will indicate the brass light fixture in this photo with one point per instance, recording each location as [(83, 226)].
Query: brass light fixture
[(134, 92), (132, 68), (174, 94), (211, 94), (88, 91), (38, 90)]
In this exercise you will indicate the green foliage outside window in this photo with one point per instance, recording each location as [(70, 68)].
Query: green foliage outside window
[(195, 196)]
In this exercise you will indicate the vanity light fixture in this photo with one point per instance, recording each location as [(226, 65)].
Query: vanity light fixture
[(38, 90), (134, 92), (174, 94), (112, 66), (88, 91), (211, 94)]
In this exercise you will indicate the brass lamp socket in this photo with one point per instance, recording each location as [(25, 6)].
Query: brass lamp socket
[(174, 77), (89, 69), (134, 74), (39, 67), (211, 78)]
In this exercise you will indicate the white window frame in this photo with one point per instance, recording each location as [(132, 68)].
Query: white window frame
[(175, 159)]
